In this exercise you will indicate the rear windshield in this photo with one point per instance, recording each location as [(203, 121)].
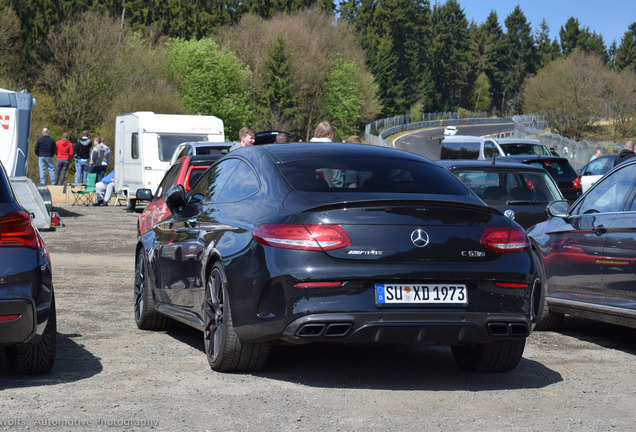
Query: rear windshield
[(460, 150), (502, 187), (168, 143), (524, 149), (214, 151), (348, 174), (556, 168)]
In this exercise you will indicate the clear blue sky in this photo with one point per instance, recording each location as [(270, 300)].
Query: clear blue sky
[(610, 18)]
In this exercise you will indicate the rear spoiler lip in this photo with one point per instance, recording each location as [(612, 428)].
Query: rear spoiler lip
[(393, 202)]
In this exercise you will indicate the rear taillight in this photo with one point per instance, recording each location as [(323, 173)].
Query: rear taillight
[(16, 231), (577, 183), (55, 220), (505, 239), (304, 237)]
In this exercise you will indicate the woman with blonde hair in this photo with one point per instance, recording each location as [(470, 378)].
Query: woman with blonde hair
[(324, 132)]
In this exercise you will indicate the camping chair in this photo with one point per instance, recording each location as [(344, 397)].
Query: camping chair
[(86, 195)]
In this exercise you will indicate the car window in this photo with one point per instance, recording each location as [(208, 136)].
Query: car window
[(351, 174), (241, 184), (556, 168), (490, 150), (195, 174), (168, 180), (501, 187), (524, 149), (460, 150), (211, 183), (608, 195), (596, 167)]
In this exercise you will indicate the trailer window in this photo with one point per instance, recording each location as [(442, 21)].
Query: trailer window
[(134, 146), (168, 143)]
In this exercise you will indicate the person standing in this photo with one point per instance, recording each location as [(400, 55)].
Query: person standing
[(45, 149), (82, 153), (246, 137), (64, 151), (626, 153), (100, 158)]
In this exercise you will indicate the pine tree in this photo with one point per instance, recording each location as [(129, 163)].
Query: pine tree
[(626, 52)]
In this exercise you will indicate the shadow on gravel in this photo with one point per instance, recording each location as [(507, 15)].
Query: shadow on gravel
[(599, 333), (427, 367), (72, 363)]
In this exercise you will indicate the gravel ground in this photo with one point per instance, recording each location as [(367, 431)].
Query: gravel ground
[(109, 375)]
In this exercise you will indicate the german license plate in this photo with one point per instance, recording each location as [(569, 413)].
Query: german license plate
[(412, 294)]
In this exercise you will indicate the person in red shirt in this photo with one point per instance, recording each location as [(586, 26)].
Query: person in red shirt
[(64, 153)]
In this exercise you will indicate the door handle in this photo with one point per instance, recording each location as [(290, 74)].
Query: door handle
[(191, 222), (599, 230)]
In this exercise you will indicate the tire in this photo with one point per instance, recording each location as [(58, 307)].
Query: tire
[(36, 359), (146, 317), (498, 356), (546, 319), (224, 350)]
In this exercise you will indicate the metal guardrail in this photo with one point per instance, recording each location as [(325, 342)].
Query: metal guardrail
[(380, 140), (578, 152)]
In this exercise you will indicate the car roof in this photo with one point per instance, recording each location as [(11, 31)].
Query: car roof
[(463, 138), (519, 141), (487, 165), (294, 151), (530, 158), (208, 144), (199, 160)]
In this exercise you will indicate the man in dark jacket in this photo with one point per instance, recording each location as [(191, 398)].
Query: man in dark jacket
[(82, 152), (626, 153), (45, 149)]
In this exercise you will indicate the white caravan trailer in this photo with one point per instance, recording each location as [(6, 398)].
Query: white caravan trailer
[(145, 142), (15, 130)]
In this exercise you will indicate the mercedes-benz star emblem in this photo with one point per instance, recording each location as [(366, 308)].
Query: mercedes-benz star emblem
[(419, 237)]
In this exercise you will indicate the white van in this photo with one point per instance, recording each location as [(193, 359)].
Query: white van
[(469, 147), (145, 143)]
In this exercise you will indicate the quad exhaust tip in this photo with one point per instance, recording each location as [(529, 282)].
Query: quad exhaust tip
[(508, 329), (324, 330)]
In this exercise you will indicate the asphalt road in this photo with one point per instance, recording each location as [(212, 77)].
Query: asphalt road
[(427, 142), (109, 375)]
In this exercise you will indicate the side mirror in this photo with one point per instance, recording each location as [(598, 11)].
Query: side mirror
[(144, 194), (558, 209), (175, 198)]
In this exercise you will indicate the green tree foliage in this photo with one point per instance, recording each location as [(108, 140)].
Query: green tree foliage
[(278, 94), (520, 58), (480, 95), (213, 82), (621, 101), (83, 70), (449, 53), (547, 50), (313, 45), (10, 44), (569, 92), (342, 98), (391, 33), (573, 36), (626, 52)]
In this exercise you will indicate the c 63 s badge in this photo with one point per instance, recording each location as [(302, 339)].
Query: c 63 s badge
[(365, 252), (473, 254)]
